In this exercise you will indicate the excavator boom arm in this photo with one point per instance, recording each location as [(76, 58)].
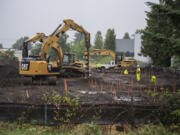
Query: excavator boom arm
[(38, 37), (104, 53), (51, 41)]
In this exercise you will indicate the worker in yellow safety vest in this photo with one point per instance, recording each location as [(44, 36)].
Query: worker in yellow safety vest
[(125, 71), (138, 72), (99, 66), (153, 79)]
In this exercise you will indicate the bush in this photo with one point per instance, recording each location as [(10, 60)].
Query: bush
[(83, 129), (169, 111), (152, 130)]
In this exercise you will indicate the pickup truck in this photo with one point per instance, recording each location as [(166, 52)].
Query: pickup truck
[(107, 66)]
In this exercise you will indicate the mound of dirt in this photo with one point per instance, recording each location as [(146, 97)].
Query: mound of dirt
[(8, 68)]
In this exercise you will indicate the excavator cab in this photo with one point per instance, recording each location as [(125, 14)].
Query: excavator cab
[(118, 58), (121, 61), (68, 59), (71, 65), (35, 68)]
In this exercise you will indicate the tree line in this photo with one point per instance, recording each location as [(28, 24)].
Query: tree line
[(76, 46)]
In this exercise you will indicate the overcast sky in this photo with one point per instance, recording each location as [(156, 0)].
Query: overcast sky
[(27, 17)]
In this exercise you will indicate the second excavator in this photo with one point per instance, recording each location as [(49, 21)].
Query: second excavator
[(40, 68), (119, 60)]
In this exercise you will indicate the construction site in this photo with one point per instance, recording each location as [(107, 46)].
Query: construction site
[(69, 70), (121, 92)]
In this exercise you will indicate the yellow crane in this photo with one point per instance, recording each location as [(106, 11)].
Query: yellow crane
[(40, 67)]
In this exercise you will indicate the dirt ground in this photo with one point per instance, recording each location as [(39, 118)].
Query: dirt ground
[(100, 88)]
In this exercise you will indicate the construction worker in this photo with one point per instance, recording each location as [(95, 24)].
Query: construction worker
[(138, 72), (153, 79), (125, 71), (98, 66)]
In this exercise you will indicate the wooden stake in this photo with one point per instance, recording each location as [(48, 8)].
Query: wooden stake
[(27, 94), (65, 86)]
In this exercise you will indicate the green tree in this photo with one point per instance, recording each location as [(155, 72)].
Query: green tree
[(157, 38), (120, 53), (52, 53), (78, 37), (19, 43), (126, 36), (176, 62), (63, 43), (1, 45), (172, 9), (98, 42), (11, 52), (127, 54), (79, 49), (109, 42)]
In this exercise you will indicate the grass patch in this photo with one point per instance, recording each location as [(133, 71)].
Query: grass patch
[(82, 129)]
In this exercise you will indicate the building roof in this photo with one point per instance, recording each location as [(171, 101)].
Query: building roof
[(124, 45)]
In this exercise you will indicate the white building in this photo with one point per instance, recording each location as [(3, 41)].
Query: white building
[(133, 46), (137, 49)]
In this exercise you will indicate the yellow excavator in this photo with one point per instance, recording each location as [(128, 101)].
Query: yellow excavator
[(40, 67), (120, 60)]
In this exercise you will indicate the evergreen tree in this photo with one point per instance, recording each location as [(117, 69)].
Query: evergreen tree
[(157, 38), (52, 53), (127, 54), (79, 48), (1, 45), (172, 9), (78, 37), (10, 52), (98, 42), (19, 43), (126, 36), (63, 43), (109, 42)]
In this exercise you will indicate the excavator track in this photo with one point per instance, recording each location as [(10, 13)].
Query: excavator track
[(131, 70), (51, 80), (9, 75)]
